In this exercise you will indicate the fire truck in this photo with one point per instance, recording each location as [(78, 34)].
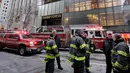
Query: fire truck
[(62, 32), (95, 33)]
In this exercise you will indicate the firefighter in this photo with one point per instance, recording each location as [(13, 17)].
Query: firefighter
[(89, 44), (108, 45), (120, 54), (57, 40), (77, 52), (51, 54)]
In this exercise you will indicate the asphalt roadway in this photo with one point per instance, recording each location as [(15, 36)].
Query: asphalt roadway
[(11, 62)]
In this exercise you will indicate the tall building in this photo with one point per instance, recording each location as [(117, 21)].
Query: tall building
[(5, 6), (23, 14), (112, 14)]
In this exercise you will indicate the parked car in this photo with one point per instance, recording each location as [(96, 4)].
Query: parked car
[(21, 41)]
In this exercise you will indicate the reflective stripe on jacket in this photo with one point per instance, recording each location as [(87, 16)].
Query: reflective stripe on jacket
[(120, 56), (77, 49), (51, 49)]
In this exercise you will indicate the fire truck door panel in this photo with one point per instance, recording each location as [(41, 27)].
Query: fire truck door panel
[(9, 41), (15, 42)]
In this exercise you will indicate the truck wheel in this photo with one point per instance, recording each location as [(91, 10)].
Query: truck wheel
[(22, 50), (1, 48)]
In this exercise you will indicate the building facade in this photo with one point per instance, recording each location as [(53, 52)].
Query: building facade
[(109, 13), (5, 6), (23, 14)]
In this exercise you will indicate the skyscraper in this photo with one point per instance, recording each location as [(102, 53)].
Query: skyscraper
[(111, 14)]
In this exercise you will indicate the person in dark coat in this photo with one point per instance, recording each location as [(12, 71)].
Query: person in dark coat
[(108, 45), (120, 54), (57, 40)]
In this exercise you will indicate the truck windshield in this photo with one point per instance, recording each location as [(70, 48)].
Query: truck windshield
[(98, 34), (27, 36)]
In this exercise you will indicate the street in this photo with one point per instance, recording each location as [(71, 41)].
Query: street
[(11, 62)]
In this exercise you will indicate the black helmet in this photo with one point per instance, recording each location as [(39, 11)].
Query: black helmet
[(80, 33), (117, 35)]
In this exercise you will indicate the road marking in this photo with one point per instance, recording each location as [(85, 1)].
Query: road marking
[(98, 64)]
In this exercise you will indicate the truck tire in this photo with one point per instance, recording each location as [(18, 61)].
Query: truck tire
[(22, 50), (1, 48)]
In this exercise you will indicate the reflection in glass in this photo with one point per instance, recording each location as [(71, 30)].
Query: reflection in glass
[(110, 20), (102, 19)]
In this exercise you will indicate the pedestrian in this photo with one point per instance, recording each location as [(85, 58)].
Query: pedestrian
[(51, 54), (58, 43), (108, 45), (77, 52), (120, 55), (89, 44)]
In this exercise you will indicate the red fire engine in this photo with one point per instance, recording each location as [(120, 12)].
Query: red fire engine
[(95, 33)]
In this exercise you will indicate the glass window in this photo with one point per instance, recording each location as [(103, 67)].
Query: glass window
[(108, 4), (93, 18), (86, 32), (2, 35), (27, 36), (49, 8), (98, 34), (45, 9), (16, 37), (118, 18), (10, 36), (61, 7), (77, 4), (101, 3), (110, 20), (53, 8), (102, 19), (94, 5), (57, 7), (116, 2), (42, 10), (47, 31), (82, 6)]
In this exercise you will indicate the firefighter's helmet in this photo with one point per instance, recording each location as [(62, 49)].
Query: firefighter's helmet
[(80, 33)]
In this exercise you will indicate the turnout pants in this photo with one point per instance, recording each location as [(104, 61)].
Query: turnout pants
[(78, 67), (108, 64), (50, 66), (87, 63), (58, 61)]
